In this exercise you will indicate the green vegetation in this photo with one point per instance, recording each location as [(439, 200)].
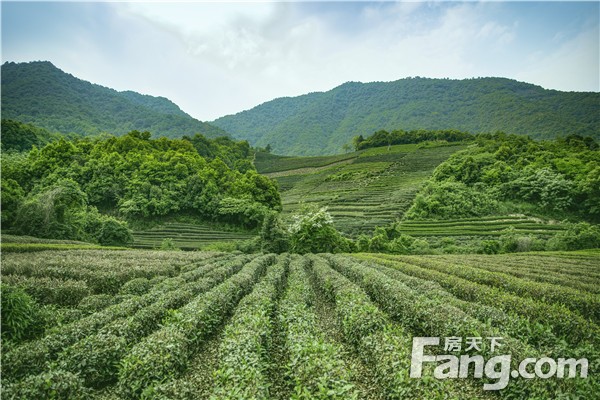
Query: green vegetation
[(245, 350), (56, 191), (39, 93), (310, 275), (24, 244), (322, 123), (557, 179), (29, 247), (186, 236), (312, 231), (145, 324), (268, 163), (22, 137), (502, 193), (384, 138), (19, 314), (361, 190)]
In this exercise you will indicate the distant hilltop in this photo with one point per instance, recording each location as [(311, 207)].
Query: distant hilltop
[(41, 94), (321, 123)]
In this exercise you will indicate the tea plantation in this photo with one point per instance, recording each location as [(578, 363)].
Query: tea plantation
[(362, 190), (101, 324), (185, 236)]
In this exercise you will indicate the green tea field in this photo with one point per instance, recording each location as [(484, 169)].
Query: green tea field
[(141, 324), (185, 236), (362, 190)]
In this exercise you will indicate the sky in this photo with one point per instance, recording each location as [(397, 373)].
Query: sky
[(214, 59)]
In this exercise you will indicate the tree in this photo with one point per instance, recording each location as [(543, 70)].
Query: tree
[(12, 195), (312, 231), (134, 177), (114, 233), (547, 188), (357, 141), (273, 236), (245, 212), (53, 212), (450, 199), (576, 237)]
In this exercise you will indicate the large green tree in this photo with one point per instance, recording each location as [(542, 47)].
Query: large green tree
[(133, 177)]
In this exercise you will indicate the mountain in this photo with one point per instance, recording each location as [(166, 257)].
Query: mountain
[(321, 123), (41, 94)]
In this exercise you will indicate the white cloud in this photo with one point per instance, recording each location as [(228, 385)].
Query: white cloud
[(214, 59), (573, 66), (233, 56)]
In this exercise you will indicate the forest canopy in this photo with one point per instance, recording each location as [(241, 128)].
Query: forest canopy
[(321, 123), (384, 138), (41, 94), (59, 187), (558, 178)]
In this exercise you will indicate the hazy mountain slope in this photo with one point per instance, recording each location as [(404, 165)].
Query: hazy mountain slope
[(321, 123), (41, 94)]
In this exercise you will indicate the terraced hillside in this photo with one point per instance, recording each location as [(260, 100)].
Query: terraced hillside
[(362, 190), (482, 226), (192, 325), (185, 236)]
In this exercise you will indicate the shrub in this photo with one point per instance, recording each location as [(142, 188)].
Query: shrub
[(47, 290), (451, 200), (225, 246), (95, 302), (244, 212), (401, 245), (378, 243), (114, 233), (273, 237), (19, 313), (103, 351), (12, 195), (137, 286), (420, 246), (53, 211), (312, 231), (362, 243), (511, 242), (168, 244), (61, 211), (549, 189), (489, 247), (54, 384), (576, 237), (249, 246)]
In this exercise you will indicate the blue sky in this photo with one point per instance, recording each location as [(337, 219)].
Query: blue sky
[(214, 59)]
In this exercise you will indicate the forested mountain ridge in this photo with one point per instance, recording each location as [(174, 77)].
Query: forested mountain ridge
[(41, 94), (322, 122)]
